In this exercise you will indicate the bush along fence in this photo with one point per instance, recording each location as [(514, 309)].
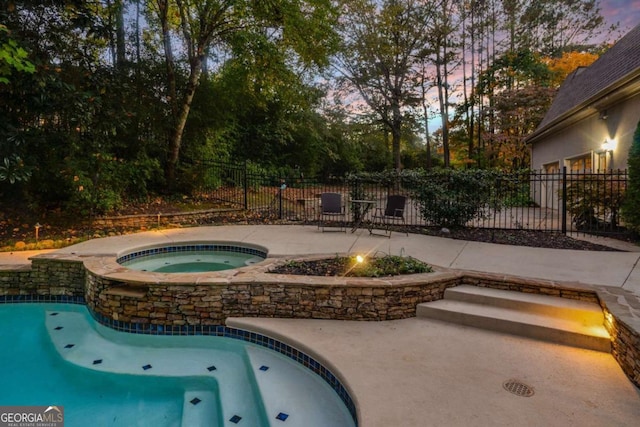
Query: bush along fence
[(564, 201)]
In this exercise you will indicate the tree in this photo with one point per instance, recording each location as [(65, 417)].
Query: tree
[(517, 114), (496, 33), (551, 26), (444, 43), (200, 24), (204, 26), (567, 64), (424, 83), (519, 86), (12, 57), (383, 44), (70, 121), (631, 204)]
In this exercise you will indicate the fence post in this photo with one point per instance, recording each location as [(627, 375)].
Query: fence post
[(283, 186), (564, 200), (244, 186)]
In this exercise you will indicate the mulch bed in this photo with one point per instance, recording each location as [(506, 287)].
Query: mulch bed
[(16, 226), (537, 239)]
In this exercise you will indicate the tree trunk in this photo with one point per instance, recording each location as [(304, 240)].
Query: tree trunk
[(175, 137), (467, 108), (175, 143), (426, 133), (444, 110), (425, 111), (168, 53), (473, 81), (396, 135), (120, 36), (445, 127)]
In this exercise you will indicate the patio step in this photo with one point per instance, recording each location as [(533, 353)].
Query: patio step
[(542, 317)]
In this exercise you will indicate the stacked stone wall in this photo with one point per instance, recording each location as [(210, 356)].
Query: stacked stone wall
[(625, 346), (265, 295), (44, 276), (60, 277), (17, 281), (211, 304), (160, 219), (531, 286)]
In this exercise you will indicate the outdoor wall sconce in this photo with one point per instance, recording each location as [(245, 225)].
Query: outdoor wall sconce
[(608, 145)]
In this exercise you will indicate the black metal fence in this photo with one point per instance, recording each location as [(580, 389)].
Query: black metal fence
[(564, 201)]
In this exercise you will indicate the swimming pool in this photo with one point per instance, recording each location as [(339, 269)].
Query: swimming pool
[(55, 354), (193, 257)]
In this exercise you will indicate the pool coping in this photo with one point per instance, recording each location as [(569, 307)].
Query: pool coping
[(191, 246)]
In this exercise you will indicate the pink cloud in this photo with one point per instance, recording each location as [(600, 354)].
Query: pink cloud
[(623, 12)]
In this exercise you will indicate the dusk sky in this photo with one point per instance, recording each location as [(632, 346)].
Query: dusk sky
[(624, 12)]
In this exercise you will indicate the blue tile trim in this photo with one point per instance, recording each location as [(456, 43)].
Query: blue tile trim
[(211, 247), (210, 330), (252, 337), (66, 299)]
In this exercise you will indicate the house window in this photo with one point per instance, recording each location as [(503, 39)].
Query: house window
[(582, 163), (603, 165)]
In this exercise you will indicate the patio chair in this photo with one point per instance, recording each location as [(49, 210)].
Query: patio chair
[(393, 213), (332, 209)]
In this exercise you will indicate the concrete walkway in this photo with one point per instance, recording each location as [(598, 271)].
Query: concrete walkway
[(419, 372), (614, 269)]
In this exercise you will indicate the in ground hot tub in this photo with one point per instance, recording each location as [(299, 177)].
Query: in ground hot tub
[(193, 257)]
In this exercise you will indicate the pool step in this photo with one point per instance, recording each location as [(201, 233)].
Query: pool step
[(199, 408), (220, 369), (543, 317)]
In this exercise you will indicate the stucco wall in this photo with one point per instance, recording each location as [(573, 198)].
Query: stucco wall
[(587, 136)]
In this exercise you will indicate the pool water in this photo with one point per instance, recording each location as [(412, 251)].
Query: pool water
[(34, 374), (192, 261), (55, 354)]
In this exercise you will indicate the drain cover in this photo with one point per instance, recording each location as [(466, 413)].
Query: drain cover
[(518, 388)]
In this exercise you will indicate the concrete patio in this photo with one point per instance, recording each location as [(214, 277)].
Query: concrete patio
[(419, 372)]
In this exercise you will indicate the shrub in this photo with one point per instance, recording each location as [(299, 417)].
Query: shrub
[(454, 197), (631, 206), (513, 189), (351, 266), (109, 183), (594, 200), (389, 265)]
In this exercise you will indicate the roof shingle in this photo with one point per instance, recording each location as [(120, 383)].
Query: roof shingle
[(615, 64)]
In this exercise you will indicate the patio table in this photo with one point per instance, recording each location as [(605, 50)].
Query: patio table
[(360, 207)]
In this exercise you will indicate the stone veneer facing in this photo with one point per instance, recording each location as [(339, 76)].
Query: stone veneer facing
[(156, 305)]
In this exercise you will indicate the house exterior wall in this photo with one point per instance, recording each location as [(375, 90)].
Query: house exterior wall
[(585, 138)]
